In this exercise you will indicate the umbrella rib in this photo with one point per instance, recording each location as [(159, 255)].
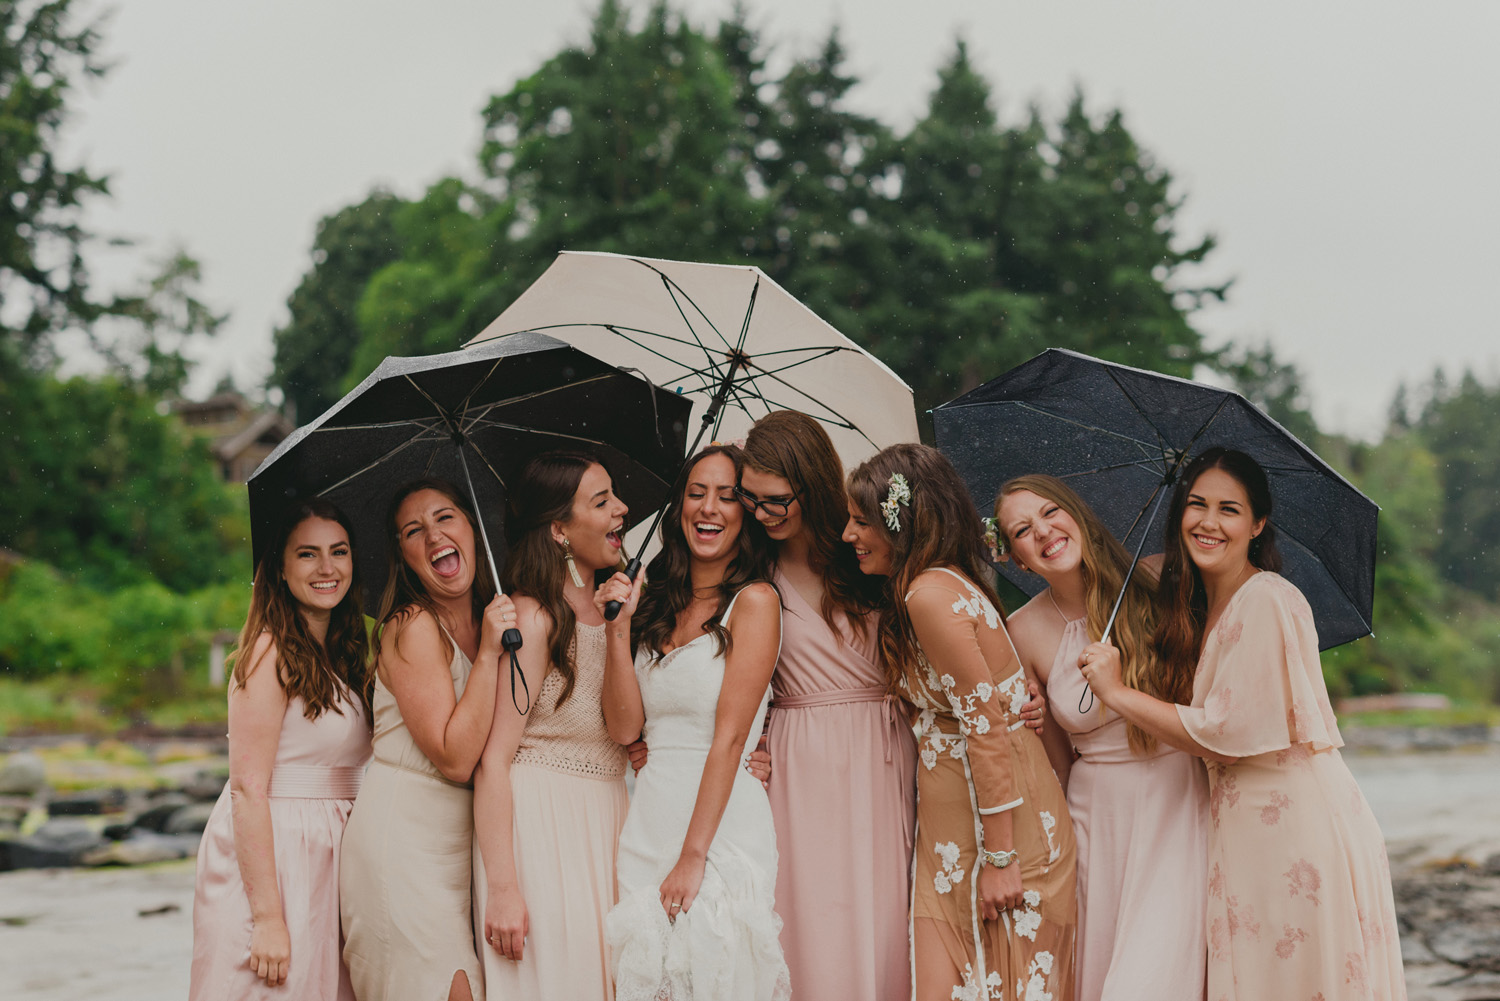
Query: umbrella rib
[(803, 361), (739, 345), (670, 285), (463, 408), (484, 408), (615, 328), (748, 387), (823, 349), (840, 422), (527, 429), (1145, 464), (421, 422), (1078, 424), (1161, 439), (688, 370), (414, 439)]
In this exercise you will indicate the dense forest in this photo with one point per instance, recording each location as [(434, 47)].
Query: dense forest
[(953, 249)]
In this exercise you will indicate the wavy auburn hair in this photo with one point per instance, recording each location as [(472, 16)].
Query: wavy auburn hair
[(1104, 563), (795, 447), (404, 591), (669, 578), (1181, 597), (535, 566), (318, 672), (938, 529)]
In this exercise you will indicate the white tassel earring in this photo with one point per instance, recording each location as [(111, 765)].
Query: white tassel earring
[(572, 567)]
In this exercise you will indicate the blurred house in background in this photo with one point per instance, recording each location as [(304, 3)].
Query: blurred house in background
[(239, 433)]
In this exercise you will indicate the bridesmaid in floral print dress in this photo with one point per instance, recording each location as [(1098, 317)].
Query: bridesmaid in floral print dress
[(1299, 890), (994, 907)]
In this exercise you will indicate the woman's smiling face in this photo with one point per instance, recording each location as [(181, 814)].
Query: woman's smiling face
[(437, 543), (595, 528), (1218, 524), (1043, 537), (711, 514), (317, 564), (762, 486), (872, 544)]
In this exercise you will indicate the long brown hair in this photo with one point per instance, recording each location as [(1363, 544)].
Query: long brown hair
[(795, 447), (404, 591), (938, 529), (1103, 563), (535, 565), (318, 672), (669, 587), (1181, 597)]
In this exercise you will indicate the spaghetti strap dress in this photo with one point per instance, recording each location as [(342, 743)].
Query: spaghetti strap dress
[(405, 879), (317, 773), (568, 797), (1141, 822), (843, 796), (1299, 888), (725, 947), (977, 757)]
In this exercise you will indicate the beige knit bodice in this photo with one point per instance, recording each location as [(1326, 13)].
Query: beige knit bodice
[(571, 737)]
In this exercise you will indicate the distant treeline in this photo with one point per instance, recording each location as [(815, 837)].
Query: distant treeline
[(952, 249)]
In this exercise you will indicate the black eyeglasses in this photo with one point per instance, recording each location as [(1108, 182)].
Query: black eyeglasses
[(775, 508)]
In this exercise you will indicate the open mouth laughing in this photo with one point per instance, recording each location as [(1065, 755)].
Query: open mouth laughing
[(445, 561)]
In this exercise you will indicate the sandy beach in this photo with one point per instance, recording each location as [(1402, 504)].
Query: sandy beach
[(126, 934)]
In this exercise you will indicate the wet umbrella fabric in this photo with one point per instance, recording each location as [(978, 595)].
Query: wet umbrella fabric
[(494, 407), (1113, 433), (707, 329)]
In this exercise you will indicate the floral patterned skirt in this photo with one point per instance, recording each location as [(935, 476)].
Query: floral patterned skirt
[(1299, 889), (1027, 953)]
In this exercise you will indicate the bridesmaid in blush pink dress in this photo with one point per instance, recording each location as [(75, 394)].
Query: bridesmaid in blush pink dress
[(843, 791), (266, 903), (1299, 890), (1139, 806)]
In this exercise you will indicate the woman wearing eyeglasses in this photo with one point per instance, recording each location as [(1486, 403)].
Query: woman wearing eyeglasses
[(843, 792)]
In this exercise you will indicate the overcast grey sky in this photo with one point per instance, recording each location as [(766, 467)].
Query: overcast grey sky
[(1344, 152)]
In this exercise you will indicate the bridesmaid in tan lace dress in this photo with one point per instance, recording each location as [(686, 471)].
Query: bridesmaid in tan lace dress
[(1299, 891), (549, 795), (993, 902)]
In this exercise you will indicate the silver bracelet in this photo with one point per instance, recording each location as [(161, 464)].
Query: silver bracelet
[(997, 859)]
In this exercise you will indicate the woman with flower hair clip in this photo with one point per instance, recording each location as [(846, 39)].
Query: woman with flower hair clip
[(993, 903)]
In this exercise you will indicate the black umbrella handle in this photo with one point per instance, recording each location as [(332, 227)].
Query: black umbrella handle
[(612, 608)]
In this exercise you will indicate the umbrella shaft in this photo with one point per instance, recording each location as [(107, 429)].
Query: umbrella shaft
[(1157, 498), (483, 535)]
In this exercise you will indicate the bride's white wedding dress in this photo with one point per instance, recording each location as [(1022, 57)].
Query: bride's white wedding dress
[(726, 946)]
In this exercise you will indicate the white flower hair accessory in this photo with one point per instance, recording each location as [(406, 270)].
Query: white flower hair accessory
[(896, 497), (994, 540)]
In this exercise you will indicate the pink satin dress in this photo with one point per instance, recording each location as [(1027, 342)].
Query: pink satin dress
[(319, 766), (843, 798), (1141, 820)]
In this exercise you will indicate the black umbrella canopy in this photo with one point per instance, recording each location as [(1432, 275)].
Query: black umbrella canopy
[(502, 404), (1112, 432)]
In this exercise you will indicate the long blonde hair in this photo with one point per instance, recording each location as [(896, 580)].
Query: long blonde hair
[(1103, 563)]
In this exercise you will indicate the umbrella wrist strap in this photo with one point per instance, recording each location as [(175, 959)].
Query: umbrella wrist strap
[(510, 642)]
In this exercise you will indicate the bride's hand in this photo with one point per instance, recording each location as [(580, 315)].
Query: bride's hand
[(680, 888)]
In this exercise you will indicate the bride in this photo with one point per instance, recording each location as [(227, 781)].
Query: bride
[(692, 667)]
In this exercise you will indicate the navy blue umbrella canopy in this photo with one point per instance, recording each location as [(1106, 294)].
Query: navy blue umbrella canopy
[(490, 409), (1113, 433)]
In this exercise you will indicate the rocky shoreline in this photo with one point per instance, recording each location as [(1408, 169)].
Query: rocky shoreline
[(1436, 795), (63, 804)]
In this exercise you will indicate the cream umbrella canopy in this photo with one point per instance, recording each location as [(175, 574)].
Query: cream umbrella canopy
[(717, 331), (725, 335)]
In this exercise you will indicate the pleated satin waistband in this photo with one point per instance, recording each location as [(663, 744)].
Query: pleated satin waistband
[(842, 696), (316, 781), (836, 697)]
